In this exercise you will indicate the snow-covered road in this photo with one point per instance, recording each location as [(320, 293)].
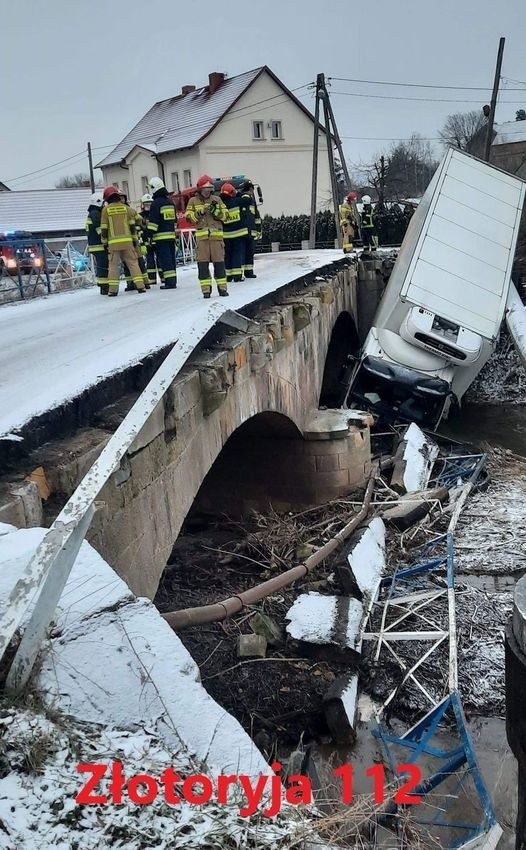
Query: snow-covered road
[(54, 348)]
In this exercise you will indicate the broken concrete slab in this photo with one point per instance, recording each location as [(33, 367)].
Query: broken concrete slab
[(331, 624), (251, 646), (334, 424), (414, 459), (413, 507), (340, 708), (362, 573)]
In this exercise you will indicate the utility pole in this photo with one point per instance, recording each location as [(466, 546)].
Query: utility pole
[(91, 173), (331, 133), (315, 149), (493, 104)]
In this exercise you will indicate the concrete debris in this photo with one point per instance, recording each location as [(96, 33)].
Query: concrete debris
[(414, 461), (340, 708), (251, 646), (264, 625), (367, 559), (413, 507), (332, 623)]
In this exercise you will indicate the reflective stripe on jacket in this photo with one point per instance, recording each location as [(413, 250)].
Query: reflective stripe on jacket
[(347, 214), (250, 215), (208, 215), (162, 218), (367, 218), (93, 230), (233, 227), (117, 225)]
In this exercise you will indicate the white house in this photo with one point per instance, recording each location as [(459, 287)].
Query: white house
[(249, 124)]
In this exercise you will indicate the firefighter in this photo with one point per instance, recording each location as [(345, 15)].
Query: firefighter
[(235, 233), (250, 216), (369, 233), (162, 220), (208, 212), (151, 270), (118, 234), (95, 247), (141, 251), (348, 223)]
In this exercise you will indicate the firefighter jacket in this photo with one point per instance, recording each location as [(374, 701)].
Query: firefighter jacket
[(208, 215), (162, 218), (368, 217), (250, 215), (233, 227), (347, 216), (117, 224), (93, 230)]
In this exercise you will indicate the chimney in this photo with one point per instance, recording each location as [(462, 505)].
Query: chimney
[(187, 89), (215, 80)]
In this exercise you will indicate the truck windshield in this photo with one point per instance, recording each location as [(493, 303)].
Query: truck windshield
[(394, 392)]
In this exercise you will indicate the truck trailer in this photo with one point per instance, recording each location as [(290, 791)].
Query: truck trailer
[(440, 316)]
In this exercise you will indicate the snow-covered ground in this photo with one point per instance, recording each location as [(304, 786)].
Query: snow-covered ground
[(56, 347)]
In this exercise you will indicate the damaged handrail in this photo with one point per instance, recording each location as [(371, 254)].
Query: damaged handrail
[(235, 604)]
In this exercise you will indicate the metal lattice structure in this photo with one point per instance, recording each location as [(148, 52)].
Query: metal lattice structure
[(417, 605)]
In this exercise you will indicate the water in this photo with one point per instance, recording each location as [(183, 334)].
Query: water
[(501, 425)]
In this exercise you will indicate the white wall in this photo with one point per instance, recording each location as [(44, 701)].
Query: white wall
[(184, 160), (141, 164), (282, 167)]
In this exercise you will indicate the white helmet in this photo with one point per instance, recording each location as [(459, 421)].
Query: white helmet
[(96, 199), (155, 183), (147, 198), (366, 199)]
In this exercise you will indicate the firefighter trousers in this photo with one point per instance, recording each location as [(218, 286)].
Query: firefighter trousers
[(127, 255), (128, 276), (234, 257), (151, 268), (101, 267), (248, 256), (211, 251), (165, 256), (370, 239), (348, 236)]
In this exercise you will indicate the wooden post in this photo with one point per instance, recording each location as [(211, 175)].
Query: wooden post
[(315, 149), (493, 104), (91, 172)]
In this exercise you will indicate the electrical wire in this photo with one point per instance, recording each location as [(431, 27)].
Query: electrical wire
[(421, 85), (39, 170), (421, 99)]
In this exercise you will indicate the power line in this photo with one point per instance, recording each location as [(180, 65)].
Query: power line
[(39, 170), (392, 139), (421, 99), (420, 85)]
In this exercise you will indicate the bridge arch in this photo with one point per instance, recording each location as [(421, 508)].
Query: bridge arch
[(344, 341)]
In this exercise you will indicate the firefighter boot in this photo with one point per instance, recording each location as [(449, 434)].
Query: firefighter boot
[(104, 288)]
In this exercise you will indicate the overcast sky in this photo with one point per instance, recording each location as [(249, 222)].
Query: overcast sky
[(75, 70)]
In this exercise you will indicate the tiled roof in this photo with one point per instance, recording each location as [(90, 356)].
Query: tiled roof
[(182, 121), (39, 210)]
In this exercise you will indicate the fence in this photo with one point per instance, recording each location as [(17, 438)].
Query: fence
[(28, 267)]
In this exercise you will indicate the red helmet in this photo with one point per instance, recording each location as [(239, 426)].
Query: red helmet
[(228, 189), (205, 182), (109, 192), (352, 196)]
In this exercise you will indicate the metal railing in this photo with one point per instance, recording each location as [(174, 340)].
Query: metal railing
[(45, 576), (27, 268)]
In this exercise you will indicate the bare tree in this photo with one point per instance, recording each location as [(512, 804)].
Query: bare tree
[(74, 181), (404, 171), (461, 127)]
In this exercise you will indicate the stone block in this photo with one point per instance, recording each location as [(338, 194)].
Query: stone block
[(326, 294), (184, 394), (329, 463), (214, 387), (263, 625), (12, 511), (151, 429), (301, 313), (337, 479), (413, 507), (251, 646), (66, 462)]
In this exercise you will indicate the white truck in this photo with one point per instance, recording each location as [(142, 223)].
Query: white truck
[(439, 318)]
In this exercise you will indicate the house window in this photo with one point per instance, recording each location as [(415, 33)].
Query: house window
[(276, 130), (257, 130), (175, 182), (187, 178), (125, 188), (144, 184)]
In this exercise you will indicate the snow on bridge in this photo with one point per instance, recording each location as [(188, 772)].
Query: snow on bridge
[(55, 348)]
